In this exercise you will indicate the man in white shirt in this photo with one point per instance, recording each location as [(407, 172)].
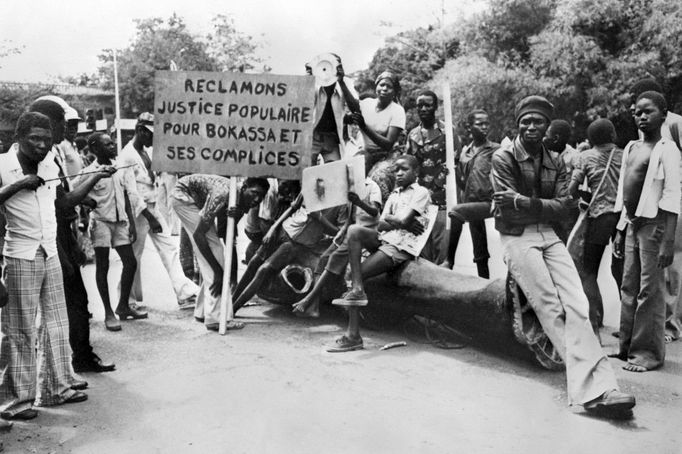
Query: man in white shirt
[(137, 154), (34, 279)]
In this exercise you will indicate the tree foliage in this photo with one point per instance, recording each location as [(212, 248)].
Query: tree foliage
[(414, 56), (158, 42), (581, 54), (231, 49)]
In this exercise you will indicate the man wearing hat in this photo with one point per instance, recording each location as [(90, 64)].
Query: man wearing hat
[(137, 153), (70, 256), (530, 196)]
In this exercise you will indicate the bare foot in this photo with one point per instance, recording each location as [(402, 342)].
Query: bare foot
[(446, 264), (300, 307), (635, 368), (669, 338)]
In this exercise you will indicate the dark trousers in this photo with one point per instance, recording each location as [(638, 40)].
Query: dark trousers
[(475, 213), (79, 317)]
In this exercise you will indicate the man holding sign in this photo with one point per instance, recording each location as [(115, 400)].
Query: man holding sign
[(199, 200)]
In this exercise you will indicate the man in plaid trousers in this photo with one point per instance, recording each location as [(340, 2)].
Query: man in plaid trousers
[(28, 183)]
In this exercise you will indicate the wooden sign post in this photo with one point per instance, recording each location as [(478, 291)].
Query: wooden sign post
[(236, 125), (450, 181)]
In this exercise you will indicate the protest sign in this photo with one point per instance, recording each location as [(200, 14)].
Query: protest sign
[(233, 124), (327, 185)]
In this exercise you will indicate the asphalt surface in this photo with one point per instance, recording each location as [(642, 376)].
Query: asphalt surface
[(271, 388)]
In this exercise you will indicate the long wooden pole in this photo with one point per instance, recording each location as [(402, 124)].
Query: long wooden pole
[(117, 105), (226, 310), (451, 181)]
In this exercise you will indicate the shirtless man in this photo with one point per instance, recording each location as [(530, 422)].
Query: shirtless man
[(649, 195)]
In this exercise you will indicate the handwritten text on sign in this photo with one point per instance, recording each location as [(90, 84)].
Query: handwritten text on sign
[(232, 123)]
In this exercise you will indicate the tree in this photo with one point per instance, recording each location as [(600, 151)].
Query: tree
[(582, 55), (414, 56), (231, 50), (156, 43)]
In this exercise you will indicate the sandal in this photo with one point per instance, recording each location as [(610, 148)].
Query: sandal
[(131, 314), (78, 396), (112, 324), (345, 344)]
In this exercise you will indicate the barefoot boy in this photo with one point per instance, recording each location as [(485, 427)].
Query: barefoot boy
[(404, 206), (649, 195), (112, 225)]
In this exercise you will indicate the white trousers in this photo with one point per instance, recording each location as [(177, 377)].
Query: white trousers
[(167, 248), (207, 306), (544, 270)]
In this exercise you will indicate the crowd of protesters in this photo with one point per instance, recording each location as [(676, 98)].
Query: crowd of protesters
[(533, 185)]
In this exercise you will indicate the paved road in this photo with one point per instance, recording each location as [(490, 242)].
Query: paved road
[(271, 388)]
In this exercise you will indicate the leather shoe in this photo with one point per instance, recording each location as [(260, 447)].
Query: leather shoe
[(79, 385), (94, 364), (612, 403), (24, 415)]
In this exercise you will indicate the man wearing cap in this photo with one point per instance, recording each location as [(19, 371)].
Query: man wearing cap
[(70, 255), (530, 195), (136, 153)]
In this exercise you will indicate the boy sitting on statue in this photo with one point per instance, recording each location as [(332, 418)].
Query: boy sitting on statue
[(199, 200), (403, 215)]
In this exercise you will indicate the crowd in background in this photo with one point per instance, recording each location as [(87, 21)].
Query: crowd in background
[(66, 200)]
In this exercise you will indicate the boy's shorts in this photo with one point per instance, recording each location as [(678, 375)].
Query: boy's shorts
[(109, 234), (397, 255)]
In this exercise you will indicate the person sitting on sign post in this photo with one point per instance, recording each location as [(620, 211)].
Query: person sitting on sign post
[(112, 224), (301, 236), (331, 106), (199, 200), (403, 213), (334, 261)]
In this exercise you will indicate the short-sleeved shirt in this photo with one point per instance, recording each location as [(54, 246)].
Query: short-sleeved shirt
[(403, 200), (592, 164), (210, 193), (109, 194), (30, 215), (381, 121), (372, 196), (428, 146)]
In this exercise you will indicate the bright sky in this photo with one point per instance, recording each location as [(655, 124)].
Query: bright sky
[(65, 37)]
